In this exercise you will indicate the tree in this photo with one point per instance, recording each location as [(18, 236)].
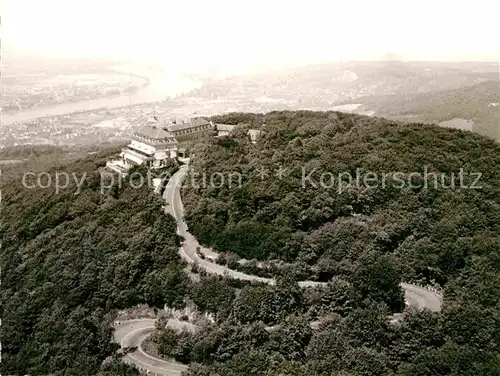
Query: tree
[(167, 340), (377, 278), (418, 330), (367, 362), (294, 338), (213, 295)]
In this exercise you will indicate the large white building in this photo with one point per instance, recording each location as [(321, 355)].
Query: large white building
[(151, 146), (157, 141)]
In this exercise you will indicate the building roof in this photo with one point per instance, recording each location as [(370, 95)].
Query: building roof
[(191, 123), (253, 132), (156, 133), (199, 121), (133, 147), (133, 155), (225, 127)]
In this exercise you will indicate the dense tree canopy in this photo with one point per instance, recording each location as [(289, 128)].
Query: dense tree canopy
[(403, 204), (401, 224), (69, 258)]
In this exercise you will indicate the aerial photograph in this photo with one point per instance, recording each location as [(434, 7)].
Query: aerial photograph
[(249, 188)]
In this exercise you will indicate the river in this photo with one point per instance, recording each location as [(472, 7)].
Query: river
[(161, 86)]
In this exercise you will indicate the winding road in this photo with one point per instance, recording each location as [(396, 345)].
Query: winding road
[(131, 333), (416, 296)]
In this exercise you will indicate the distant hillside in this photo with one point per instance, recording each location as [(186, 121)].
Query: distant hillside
[(435, 91), (22, 63), (326, 84), (478, 103)]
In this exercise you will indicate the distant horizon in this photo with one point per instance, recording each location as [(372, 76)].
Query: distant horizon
[(20, 53), (33, 55), (226, 37)]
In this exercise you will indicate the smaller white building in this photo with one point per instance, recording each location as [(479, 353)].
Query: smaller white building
[(224, 129), (253, 135)]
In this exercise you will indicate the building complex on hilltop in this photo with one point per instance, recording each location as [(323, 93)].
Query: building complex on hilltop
[(158, 141), (151, 145)]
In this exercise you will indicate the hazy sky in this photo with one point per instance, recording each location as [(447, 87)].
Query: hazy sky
[(218, 33)]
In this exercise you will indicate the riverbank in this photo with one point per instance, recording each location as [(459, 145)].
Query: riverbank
[(26, 92), (159, 87)]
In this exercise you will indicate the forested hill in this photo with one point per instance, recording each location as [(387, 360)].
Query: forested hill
[(433, 229), (437, 235), (69, 259)]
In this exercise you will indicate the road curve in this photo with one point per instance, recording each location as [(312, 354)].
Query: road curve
[(420, 297), (415, 296), (131, 333)]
